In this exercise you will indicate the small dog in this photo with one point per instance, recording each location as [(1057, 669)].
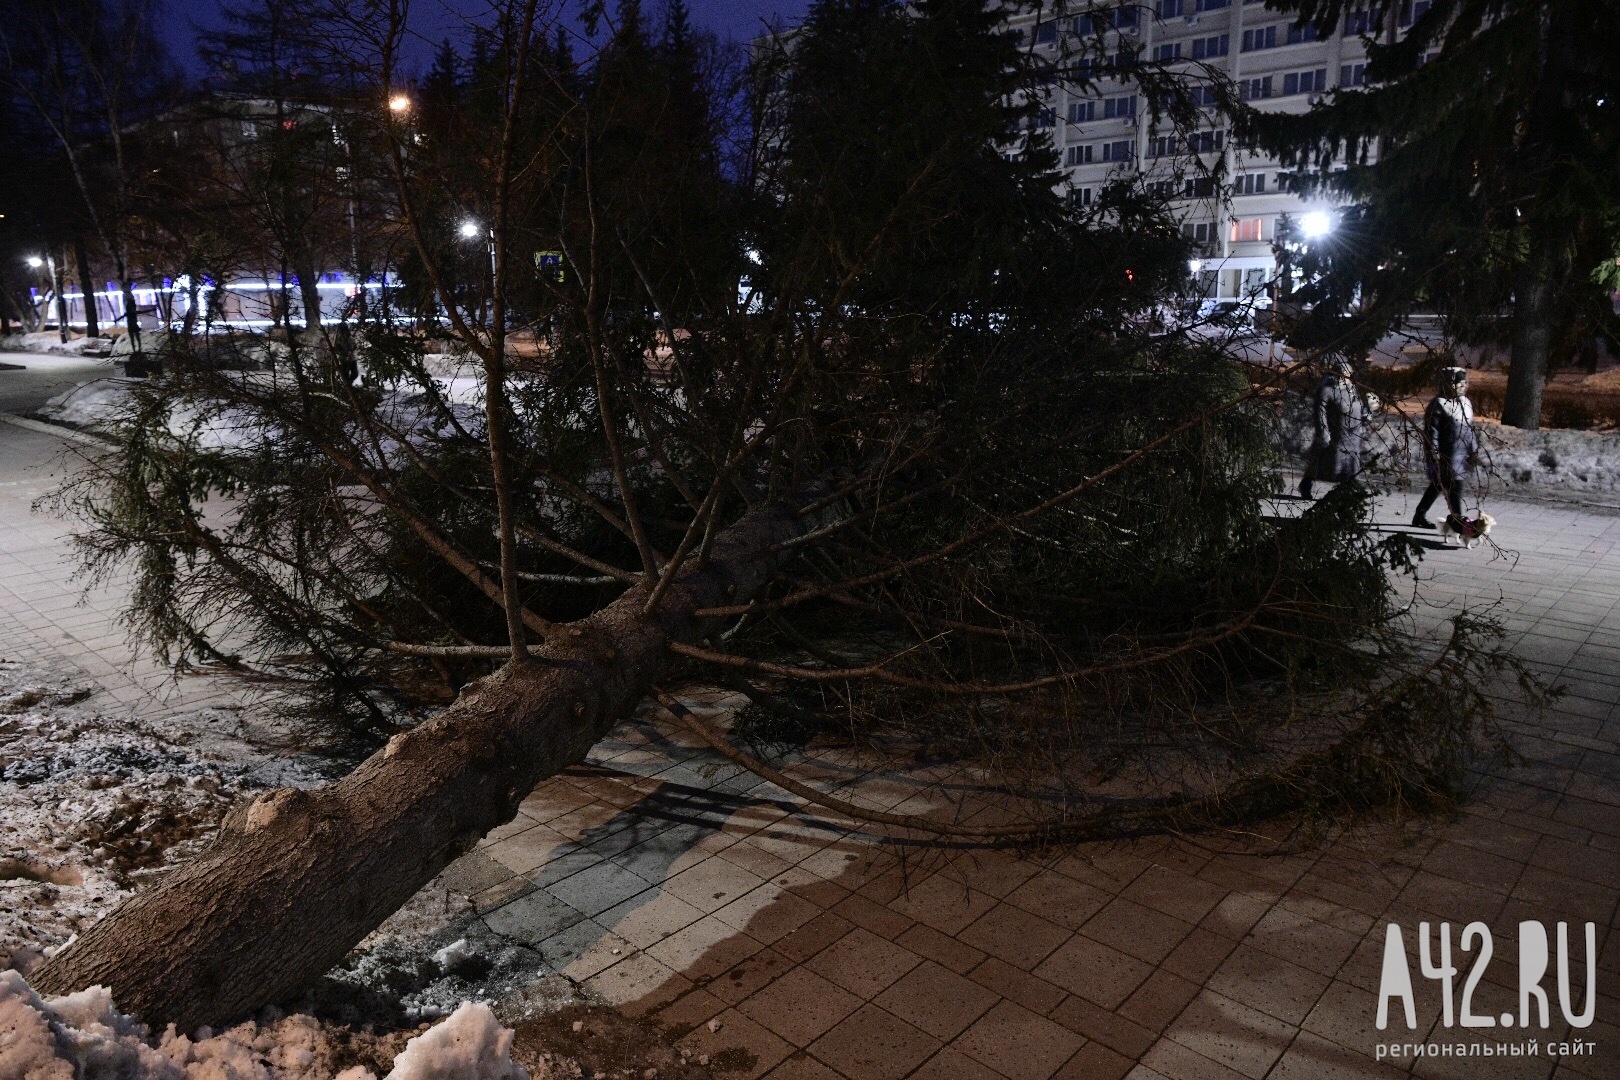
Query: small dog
[(1473, 530)]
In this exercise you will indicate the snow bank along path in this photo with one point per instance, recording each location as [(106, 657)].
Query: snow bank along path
[(82, 1035)]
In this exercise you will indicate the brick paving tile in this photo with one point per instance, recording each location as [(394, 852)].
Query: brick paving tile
[(1220, 1029), (1095, 1061), (638, 984), (1346, 1015), (712, 884), (801, 1066), (883, 921), (1291, 936), (1173, 1061), (1017, 1043), (1017, 985), (800, 1006), (748, 975), (689, 1010), (749, 1048), (1058, 898), (768, 913), (648, 918), (1159, 1000), (1094, 971), (1311, 1057), (1014, 935), (705, 949), (1284, 990), (945, 904), (808, 940), (937, 1000), (1103, 1026), (1199, 955), (872, 1044), (1172, 892), (1139, 931), (951, 1064), (941, 948), (863, 963)]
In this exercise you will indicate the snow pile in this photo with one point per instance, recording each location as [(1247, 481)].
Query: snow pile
[(95, 404), (89, 807), (1555, 461), (471, 1045), (83, 1035), (49, 341)]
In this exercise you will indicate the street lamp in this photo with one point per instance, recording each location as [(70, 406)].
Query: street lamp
[(34, 263), (1316, 224), (399, 103), (469, 230)]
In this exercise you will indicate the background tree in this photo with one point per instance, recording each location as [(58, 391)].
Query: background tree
[(1480, 165), (920, 480), (91, 71)]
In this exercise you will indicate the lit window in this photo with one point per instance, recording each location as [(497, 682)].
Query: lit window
[(1245, 230)]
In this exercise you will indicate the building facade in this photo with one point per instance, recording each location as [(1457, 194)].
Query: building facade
[(1104, 130)]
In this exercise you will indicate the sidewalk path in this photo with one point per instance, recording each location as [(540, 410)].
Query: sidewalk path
[(672, 886)]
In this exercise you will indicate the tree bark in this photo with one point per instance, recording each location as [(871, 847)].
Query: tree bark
[(297, 878), (92, 327), (1532, 337)]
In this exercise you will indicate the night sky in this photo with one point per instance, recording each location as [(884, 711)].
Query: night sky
[(436, 20)]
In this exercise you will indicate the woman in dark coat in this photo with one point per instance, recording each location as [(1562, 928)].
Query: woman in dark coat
[(1341, 424), (1450, 446)]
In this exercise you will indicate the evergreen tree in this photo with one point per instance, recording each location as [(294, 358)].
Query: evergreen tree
[(1482, 162)]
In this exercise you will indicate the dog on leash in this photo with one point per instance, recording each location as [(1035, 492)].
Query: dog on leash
[(1470, 532)]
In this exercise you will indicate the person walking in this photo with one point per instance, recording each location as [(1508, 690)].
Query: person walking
[(1450, 448), (1341, 423)]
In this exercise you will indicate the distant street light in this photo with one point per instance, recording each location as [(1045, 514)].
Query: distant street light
[(1316, 224), (470, 229), (399, 103), (35, 261)]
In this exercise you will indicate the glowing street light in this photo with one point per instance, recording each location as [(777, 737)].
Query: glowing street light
[(470, 229), (1316, 224), (35, 261), (399, 103)]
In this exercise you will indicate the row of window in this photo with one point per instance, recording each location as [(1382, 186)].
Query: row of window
[(1128, 17), (1091, 153), (1199, 142), (1314, 81)]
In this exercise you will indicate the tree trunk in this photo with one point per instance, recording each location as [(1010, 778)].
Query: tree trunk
[(296, 879), (59, 283), (1532, 335), (92, 326)]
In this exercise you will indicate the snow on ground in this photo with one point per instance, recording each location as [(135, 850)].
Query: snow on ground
[(83, 1035), (1557, 462), (91, 807), (49, 341)]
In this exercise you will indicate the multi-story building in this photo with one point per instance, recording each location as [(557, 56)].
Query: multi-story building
[(1103, 130)]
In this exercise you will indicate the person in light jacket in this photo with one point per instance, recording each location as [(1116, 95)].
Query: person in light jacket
[(1341, 424), (1450, 447)]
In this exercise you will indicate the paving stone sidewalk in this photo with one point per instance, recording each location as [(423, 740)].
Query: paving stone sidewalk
[(669, 884)]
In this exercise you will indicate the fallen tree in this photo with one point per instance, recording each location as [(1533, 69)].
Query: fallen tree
[(1035, 545), (297, 878)]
